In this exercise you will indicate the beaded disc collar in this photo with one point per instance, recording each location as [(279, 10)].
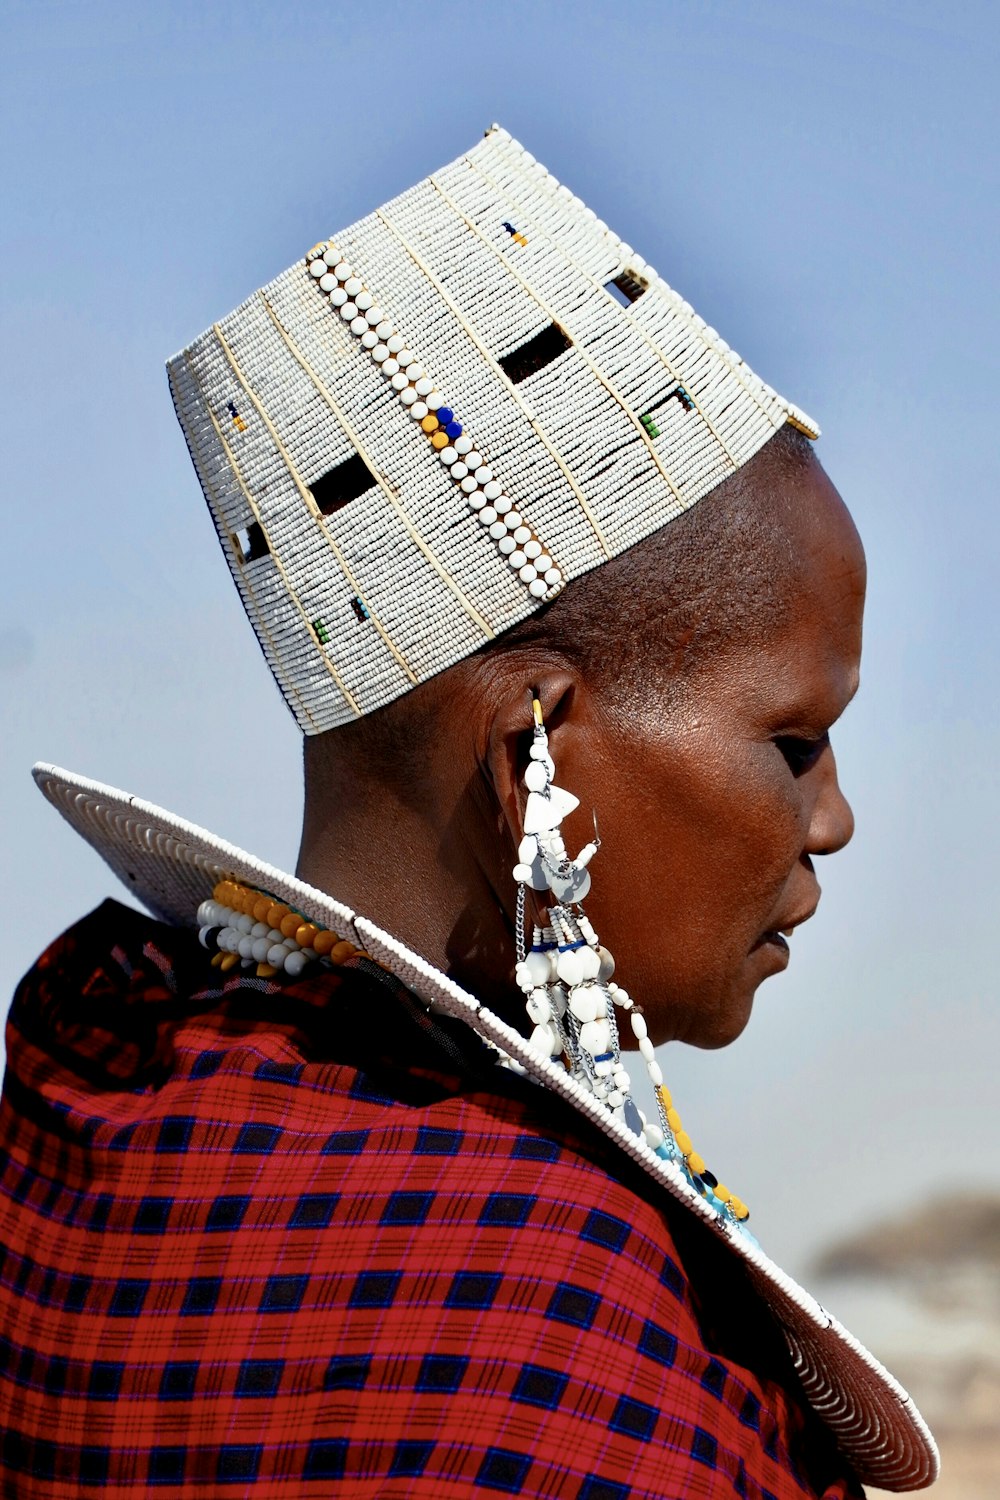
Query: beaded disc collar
[(172, 867)]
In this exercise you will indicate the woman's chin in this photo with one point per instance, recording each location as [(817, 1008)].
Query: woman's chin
[(703, 1026), (726, 1031), (728, 1018), (718, 1008)]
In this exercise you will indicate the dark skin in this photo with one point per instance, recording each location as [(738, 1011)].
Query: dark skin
[(714, 794)]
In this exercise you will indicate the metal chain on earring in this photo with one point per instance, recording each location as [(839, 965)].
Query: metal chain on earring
[(566, 977)]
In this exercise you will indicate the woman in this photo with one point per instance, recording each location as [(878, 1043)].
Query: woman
[(566, 609)]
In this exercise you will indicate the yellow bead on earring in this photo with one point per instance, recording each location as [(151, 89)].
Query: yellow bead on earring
[(695, 1163)]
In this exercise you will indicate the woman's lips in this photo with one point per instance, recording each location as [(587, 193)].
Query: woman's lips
[(775, 940), (773, 949)]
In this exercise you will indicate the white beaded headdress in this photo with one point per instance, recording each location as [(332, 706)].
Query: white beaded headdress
[(418, 433)]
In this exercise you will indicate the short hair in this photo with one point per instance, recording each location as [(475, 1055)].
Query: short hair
[(640, 623), (713, 576)]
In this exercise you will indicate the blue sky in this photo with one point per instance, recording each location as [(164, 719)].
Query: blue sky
[(820, 180)]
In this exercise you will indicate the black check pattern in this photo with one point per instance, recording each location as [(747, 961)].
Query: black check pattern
[(233, 1263)]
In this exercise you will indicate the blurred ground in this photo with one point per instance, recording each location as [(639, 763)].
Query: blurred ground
[(923, 1292)]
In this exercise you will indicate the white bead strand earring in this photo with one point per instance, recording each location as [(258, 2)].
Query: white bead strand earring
[(565, 974), (566, 977)]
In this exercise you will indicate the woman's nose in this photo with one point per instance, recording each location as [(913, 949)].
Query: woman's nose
[(832, 824)]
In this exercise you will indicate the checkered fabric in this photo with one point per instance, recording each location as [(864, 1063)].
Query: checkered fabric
[(309, 1240)]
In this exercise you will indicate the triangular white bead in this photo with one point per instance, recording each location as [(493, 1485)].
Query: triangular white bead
[(542, 813), (564, 802)]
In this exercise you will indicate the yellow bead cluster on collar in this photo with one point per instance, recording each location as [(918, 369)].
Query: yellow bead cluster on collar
[(250, 927)]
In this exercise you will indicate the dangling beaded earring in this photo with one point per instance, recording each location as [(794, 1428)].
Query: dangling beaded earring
[(566, 976)]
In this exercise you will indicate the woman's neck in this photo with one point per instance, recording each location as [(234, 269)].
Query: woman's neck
[(425, 875)]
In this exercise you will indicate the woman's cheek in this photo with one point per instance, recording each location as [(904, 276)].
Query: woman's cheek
[(778, 790), (771, 825)]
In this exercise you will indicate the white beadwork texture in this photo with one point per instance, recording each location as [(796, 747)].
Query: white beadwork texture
[(616, 422)]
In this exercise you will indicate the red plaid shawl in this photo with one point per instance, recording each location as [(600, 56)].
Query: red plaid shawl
[(307, 1240)]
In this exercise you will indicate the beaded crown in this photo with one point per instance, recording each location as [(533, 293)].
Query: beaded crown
[(416, 435)]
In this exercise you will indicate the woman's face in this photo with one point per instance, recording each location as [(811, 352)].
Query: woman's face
[(713, 809)]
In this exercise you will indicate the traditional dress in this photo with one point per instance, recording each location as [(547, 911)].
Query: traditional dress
[(310, 1239)]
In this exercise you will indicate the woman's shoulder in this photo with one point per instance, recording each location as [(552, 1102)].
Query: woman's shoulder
[(411, 1196)]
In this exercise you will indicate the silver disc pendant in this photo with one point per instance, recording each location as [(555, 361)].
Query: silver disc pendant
[(573, 885)]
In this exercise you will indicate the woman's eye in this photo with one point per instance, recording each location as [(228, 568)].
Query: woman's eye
[(800, 753)]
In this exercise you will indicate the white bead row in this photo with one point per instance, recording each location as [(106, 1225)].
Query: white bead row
[(517, 543), (254, 942)]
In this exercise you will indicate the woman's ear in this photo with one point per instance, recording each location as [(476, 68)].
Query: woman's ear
[(512, 731)]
